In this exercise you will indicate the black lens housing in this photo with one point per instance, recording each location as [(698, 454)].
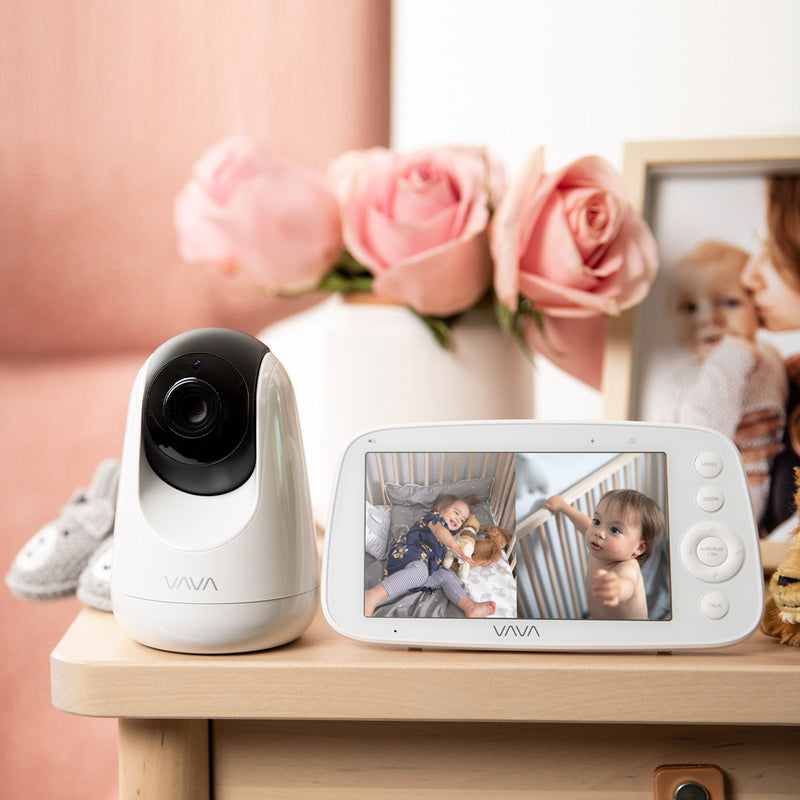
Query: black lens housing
[(199, 410), (192, 407)]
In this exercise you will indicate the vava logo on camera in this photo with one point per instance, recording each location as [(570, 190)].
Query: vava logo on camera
[(202, 584)]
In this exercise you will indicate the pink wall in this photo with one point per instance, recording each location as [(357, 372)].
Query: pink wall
[(106, 105)]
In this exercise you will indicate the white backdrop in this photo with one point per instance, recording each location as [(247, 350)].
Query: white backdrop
[(585, 76)]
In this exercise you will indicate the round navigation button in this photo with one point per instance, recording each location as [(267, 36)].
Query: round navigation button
[(714, 605), (700, 544), (712, 551), (709, 498), (708, 464)]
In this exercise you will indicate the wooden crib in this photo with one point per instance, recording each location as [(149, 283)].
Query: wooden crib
[(401, 486), (427, 469)]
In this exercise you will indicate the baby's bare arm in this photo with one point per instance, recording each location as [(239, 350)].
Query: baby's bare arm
[(616, 585), (443, 534), (557, 503)]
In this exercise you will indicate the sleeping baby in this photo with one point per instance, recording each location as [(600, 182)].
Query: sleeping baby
[(415, 560)]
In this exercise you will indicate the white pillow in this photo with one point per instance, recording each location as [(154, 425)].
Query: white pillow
[(377, 531), (477, 489)]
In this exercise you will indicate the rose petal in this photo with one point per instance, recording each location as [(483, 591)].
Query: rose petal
[(442, 282), (422, 193), (593, 171), (200, 239), (284, 228), (551, 252), (557, 300), (575, 345), (505, 229), (391, 241), (636, 249), (226, 164), (594, 217)]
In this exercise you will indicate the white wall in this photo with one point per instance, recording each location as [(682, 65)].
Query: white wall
[(585, 76)]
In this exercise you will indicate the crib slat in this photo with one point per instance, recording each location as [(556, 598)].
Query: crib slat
[(382, 482), (582, 549), (535, 581), (509, 490), (548, 559), (571, 580)]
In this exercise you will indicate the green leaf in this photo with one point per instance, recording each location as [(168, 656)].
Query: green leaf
[(439, 327), (505, 316), (339, 282)]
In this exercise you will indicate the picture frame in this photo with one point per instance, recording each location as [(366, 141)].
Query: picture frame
[(657, 175)]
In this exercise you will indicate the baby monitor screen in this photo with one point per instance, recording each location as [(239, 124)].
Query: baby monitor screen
[(519, 535)]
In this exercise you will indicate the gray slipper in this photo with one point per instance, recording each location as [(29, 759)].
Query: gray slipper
[(94, 583), (49, 565)]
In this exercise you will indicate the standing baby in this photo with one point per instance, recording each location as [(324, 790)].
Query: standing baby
[(626, 528)]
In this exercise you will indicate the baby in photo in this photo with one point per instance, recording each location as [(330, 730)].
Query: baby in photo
[(625, 529), (728, 372)]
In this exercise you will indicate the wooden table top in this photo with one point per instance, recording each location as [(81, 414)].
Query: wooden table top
[(97, 670)]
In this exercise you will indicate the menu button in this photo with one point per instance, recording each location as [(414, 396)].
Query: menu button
[(708, 464)]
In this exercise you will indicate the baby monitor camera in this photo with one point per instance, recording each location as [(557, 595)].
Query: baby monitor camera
[(214, 540)]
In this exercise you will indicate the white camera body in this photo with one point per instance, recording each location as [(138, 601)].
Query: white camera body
[(214, 541)]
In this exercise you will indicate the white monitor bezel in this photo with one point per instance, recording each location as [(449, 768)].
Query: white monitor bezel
[(343, 559)]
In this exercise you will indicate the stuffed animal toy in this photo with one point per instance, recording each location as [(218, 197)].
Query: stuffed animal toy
[(466, 539), (782, 612), (490, 549)]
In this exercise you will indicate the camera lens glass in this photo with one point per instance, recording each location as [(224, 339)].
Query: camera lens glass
[(192, 407)]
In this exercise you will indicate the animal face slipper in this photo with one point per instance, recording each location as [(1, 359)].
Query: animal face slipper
[(50, 564), (94, 583)]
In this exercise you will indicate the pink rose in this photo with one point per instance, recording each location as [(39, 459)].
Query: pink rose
[(571, 244), (418, 223), (279, 223)]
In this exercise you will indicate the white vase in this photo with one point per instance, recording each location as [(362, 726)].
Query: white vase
[(357, 366)]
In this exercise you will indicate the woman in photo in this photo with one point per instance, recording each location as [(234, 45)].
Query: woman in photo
[(773, 281)]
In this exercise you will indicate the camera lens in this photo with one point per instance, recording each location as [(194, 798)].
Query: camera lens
[(192, 407)]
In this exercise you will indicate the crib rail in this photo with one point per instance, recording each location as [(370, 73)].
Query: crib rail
[(552, 555), (426, 469)]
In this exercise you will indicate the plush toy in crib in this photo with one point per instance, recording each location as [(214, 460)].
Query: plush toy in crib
[(490, 549), (466, 539), (483, 552), (782, 612)]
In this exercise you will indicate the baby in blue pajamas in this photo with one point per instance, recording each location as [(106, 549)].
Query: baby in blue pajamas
[(415, 560)]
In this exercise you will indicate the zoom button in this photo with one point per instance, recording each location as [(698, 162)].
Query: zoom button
[(709, 498)]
